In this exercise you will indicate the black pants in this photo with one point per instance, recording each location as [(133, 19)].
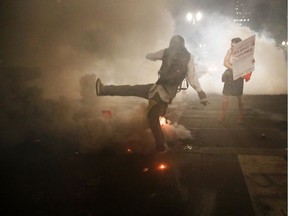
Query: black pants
[(156, 107)]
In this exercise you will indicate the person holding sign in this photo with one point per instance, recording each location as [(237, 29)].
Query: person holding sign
[(233, 82)]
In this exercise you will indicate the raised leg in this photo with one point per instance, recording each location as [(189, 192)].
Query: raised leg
[(122, 90)]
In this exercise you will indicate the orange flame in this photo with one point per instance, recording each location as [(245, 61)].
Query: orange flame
[(163, 121)]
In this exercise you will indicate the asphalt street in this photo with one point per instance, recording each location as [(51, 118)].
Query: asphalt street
[(238, 166), (224, 169)]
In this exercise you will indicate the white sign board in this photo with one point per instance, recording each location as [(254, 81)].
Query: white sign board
[(243, 53)]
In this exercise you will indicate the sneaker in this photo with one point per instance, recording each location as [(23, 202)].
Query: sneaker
[(99, 87)]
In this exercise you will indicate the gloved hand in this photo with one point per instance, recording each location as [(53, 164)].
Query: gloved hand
[(203, 98)]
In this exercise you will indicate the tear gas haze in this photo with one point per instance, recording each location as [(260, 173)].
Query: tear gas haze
[(211, 44), (54, 50), (68, 39)]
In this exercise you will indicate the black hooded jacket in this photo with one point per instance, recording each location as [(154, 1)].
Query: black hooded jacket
[(174, 66)]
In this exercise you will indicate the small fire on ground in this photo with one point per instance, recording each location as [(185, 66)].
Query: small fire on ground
[(162, 166), (163, 121)]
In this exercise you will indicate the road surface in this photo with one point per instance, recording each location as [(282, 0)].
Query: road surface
[(226, 169)]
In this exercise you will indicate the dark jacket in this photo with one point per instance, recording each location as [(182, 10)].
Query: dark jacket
[(174, 66)]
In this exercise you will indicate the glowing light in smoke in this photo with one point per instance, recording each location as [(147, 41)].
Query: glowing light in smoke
[(162, 166), (189, 17), (194, 18), (212, 68), (198, 16), (163, 121)]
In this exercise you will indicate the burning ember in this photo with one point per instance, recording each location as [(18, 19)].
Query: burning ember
[(162, 166)]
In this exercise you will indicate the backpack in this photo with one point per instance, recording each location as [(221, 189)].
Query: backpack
[(174, 66)]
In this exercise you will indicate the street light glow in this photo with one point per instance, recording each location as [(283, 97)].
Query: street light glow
[(189, 16), (198, 16), (194, 18), (284, 43)]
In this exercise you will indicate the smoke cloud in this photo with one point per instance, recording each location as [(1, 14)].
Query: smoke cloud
[(92, 123), (209, 42), (70, 38), (54, 50)]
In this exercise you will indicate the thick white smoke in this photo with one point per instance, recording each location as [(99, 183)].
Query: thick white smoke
[(72, 41), (215, 34), (69, 38)]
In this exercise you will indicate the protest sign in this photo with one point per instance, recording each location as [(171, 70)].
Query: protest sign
[(243, 53)]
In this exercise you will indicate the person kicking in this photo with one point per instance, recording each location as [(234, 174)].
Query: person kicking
[(177, 65)]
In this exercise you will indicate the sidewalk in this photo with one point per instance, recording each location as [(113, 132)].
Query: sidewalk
[(232, 167)]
